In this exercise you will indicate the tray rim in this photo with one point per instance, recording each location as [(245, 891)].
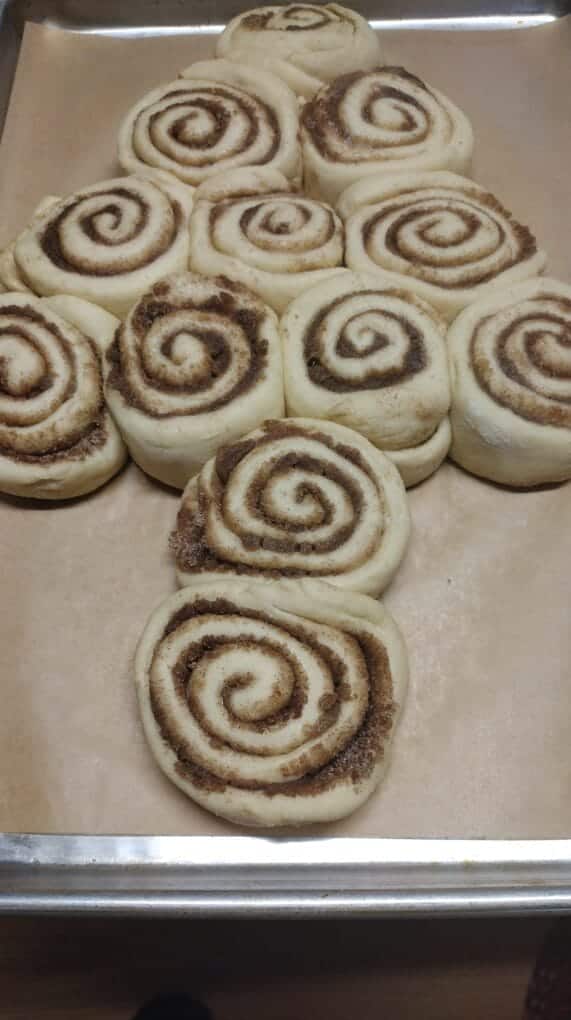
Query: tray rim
[(263, 876)]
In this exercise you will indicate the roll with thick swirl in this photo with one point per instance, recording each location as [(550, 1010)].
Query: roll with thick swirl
[(10, 276), (216, 117), (109, 242), (374, 359), (271, 703), (510, 365), (297, 498), (437, 234), (57, 439), (196, 364), (385, 121), (248, 225), (305, 44)]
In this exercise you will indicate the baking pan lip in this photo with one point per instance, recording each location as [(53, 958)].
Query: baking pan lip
[(209, 876), (238, 876)]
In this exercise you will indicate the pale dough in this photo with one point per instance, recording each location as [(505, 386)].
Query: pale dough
[(510, 365), (249, 225), (196, 364), (438, 234), (297, 497), (305, 44), (385, 121), (328, 668), (373, 358), (57, 438)]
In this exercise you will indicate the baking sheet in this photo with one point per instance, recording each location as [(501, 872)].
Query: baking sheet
[(483, 748)]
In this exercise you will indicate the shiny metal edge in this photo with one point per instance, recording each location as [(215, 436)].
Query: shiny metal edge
[(267, 877)]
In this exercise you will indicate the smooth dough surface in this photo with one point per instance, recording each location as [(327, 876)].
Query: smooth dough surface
[(384, 121), (109, 242), (10, 276), (510, 366), (374, 359), (196, 364), (438, 234), (271, 703), (305, 44), (215, 117), (295, 498), (57, 438), (249, 225)]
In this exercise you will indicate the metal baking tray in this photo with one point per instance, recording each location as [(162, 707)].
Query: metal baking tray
[(260, 876)]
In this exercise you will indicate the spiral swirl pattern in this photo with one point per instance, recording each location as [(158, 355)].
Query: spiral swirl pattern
[(305, 44), (511, 371), (108, 242), (220, 117), (196, 364), (266, 706), (380, 121), (278, 244), (295, 498), (439, 234), (56, 438), (373, 359)]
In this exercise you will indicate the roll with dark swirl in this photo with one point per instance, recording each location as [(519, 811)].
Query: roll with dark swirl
[(439, 235), (510, 364), (57, 439), (248, 225), (305, 44), (374, 359), (108, 243), (295, 498), (196, 364), (271, 703), (384, 121), (216, 117)]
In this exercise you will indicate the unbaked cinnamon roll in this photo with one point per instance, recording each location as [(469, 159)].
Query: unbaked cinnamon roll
[(374, 359), (217, 116), (295, 498), (438, 234), (271, 703), (10, 276), (109, 242), (57, 439), (305, 44), (385, 121), (248, 225), (510, 364), (196, 364)]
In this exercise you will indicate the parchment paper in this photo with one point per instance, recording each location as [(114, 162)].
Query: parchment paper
[(484, 745)]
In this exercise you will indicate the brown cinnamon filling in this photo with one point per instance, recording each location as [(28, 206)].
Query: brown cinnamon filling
[(52, 245), (355, 762), (189, 541), (223, 304), (555, 411), (320, 117), (415, 359)]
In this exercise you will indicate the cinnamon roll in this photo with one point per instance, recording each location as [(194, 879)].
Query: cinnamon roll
[(57, 439), (217, 116), (10, 276), (248, 225), (438, 234), (109, 242), (305, 44), (196, 364), (297, 498), (271, 703), (374, 359), (510, 364), (384, 121)]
